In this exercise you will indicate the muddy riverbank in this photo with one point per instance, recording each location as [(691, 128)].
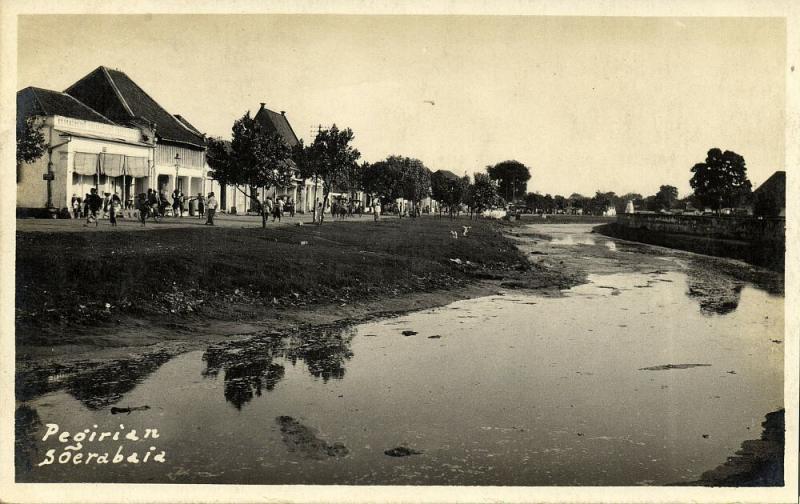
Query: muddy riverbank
[(507, 386)]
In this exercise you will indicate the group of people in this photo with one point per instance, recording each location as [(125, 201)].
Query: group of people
[(93, 207), (154, 205), (276, 209)]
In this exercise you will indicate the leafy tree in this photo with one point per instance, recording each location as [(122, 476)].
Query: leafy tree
[(332, 157), (512, 177), (601, 202), (449, 192), (721, 181), (560, 203), (308, 168), (666, 197), (383, 180), (636, 198), (258, 160), (416, 183), (482, 194), (30, 144)]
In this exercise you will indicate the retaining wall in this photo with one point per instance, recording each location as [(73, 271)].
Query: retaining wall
[(724, 226)]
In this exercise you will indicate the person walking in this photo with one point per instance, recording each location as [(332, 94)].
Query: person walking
[(94, 203), (114, 207), (212, 208), (279, 209), (143, 207), (267, 208)]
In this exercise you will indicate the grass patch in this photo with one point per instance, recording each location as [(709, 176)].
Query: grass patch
[(77, 277)]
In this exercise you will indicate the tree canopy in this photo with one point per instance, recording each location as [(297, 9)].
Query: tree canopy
[(30, 142), (258, 159), (332, 159), (665, 198), (721, 181), (482, 194), (449, 192), (512, 177)]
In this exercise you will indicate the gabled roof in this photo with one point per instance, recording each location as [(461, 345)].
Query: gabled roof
[(33, 101), (277, 123), (116, 96), (187, 124), (775, 185)]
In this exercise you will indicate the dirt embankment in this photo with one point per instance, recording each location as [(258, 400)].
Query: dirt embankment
[(99, 296)]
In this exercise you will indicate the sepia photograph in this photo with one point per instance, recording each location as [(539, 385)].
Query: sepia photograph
[(420, 251)]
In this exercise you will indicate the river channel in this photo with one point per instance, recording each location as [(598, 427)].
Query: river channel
[(632, 378)]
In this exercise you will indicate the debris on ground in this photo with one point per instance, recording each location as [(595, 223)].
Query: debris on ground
[(402, 451)]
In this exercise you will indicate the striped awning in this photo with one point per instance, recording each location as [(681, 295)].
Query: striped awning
[(85, 163)]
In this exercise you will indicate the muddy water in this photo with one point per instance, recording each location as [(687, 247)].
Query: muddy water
[(627, 379)]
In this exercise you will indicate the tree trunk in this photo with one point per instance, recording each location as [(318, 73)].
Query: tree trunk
[(325, 192)]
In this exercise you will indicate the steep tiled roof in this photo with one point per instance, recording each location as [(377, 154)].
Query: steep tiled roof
[(277, 123), (116, 96), (33, 101)]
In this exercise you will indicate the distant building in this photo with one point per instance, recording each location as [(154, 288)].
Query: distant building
[(774, 188), (86, 150)]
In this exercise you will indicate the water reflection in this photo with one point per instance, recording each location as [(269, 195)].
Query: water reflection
[(249, 367), (95, 386)]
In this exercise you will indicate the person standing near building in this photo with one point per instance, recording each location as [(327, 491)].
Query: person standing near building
[(176, 202), (376, 210), (201, 205), (114, 207), (76, 206), (212, 208)]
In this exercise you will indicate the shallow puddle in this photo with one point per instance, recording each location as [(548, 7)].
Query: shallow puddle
[(610, 384)]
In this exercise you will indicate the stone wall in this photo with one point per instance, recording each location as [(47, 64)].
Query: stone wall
[(727, 227)]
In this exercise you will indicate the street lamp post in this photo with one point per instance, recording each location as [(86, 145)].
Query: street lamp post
[(177, 165)]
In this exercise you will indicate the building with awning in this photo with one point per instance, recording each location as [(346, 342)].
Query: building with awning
[(85, 150), (179, 157)]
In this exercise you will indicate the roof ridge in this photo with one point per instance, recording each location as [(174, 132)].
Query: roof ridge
[(41, 105), (157, 105), (116, 90), (180, 120), (90, 108)]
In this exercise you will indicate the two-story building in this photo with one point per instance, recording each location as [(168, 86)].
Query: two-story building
[(179, 157), (85, 150)]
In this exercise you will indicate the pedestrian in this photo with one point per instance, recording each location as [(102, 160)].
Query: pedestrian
[(376, 210), (86, 204), (76, 206), (114, 208), (163, 204), (201, 205), (106, 203), (143, 207), (94, 203), (279, 209), (291, 207), (176, 202), (211, 206), (267, 209)]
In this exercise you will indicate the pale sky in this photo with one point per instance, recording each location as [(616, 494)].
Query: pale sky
[(615, 104)]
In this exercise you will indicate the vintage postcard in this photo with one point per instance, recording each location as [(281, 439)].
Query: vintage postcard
[(399, 252)]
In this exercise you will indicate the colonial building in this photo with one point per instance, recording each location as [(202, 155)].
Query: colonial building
[(85, 149), (179, 157), (105, 131)]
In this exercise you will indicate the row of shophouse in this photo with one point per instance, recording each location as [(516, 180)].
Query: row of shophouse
[(106, 132)]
